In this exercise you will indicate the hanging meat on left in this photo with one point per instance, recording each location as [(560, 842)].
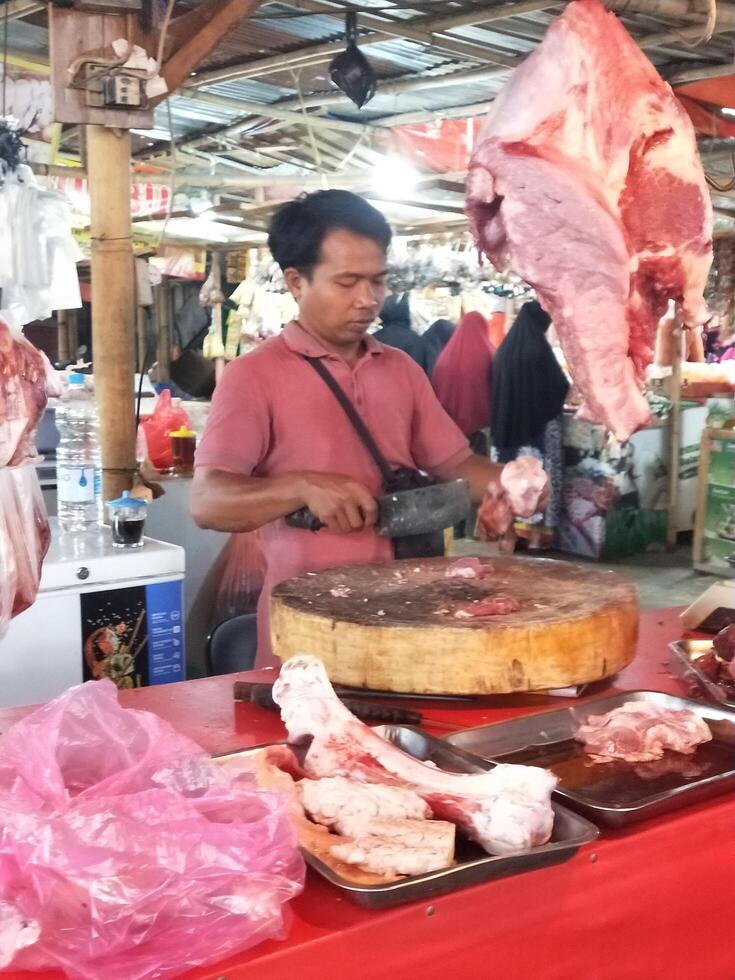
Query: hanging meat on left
[(26, 381)]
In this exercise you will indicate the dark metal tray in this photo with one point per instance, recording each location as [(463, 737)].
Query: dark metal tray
[(689, 652), (473, 864), (615, 793)]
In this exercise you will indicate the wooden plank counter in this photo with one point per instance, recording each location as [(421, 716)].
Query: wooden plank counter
[(653, 902)]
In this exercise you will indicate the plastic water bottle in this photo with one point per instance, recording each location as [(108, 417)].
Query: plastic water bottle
[(78, 461)]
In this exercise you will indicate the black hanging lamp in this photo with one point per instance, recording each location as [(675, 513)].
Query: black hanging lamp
[(350, 71)]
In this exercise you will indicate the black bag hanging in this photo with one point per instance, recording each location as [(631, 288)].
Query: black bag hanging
[(429, 545), (350, 71)]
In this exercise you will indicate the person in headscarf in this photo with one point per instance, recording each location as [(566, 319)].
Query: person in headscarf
[(433, 342), (462, 379), (528, 393), (395, 330)]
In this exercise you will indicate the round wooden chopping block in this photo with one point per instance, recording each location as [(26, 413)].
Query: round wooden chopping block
[(393, 627)]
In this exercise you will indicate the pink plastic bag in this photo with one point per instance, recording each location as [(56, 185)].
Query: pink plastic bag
[(126, 853), (166, 418), (242, 579)]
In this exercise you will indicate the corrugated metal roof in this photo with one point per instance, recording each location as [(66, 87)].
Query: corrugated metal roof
[(280, 29), (250, 90), (28, 38)]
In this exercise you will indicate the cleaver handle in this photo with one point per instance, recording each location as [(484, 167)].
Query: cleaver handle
[(304, 519)]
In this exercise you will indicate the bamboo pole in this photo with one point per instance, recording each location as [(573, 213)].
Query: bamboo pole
[(674, 434), (113, 303)]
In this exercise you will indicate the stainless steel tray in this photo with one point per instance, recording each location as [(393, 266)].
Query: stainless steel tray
[(689, 652), (616, 793), (473, 864)]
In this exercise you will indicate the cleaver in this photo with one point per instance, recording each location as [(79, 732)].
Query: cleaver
[(408, 512)]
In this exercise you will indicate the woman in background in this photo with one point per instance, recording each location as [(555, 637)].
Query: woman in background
[(528, 392), (433, 342), (395, 327), (462, 379)]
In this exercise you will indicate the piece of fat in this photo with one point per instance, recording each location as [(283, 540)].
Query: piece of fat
[(335, 798), (402, 847)]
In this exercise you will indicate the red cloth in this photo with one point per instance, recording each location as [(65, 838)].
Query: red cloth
[(463, 373), (653, 902), (273, 414)]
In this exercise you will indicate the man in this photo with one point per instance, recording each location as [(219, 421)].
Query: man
[(277, 440)]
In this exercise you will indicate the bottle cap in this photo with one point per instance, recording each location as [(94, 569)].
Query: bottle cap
[(126, 501), (76, 379), (183, 433)]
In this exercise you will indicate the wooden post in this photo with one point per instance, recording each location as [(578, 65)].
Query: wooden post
[(72, 328), (113, 303), (62, 336), (163, 354), (674, 434)]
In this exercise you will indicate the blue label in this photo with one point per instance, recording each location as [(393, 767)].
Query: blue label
[(164, 606)]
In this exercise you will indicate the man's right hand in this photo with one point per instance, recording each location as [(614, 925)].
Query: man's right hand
[(339, 502)]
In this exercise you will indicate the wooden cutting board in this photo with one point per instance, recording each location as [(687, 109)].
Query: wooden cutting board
[(392, 626)]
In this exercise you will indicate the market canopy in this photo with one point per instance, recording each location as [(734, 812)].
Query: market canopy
[(259, 119)]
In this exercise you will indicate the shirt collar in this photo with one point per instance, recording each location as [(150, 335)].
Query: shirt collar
[(301, 342)]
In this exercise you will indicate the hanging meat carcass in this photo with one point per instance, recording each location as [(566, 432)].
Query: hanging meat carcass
[(586, 180), (26, 380)]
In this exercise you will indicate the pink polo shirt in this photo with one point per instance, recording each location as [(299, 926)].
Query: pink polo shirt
[(272, 414)]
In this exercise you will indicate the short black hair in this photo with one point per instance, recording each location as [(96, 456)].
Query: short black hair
[(298, 229)]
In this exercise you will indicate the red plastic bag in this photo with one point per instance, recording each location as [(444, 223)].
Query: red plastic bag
[(242, 579), (126, 852), (166, 418)]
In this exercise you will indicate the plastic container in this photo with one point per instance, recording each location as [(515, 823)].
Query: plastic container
[(78, 461), (127, 520), (183, 444)]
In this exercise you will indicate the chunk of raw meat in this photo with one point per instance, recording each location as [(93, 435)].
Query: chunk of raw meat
[(26, 378), (404, 847), (495, 515), (526, 484), (340, 803), (724, 644), (638, 731), (471, 568), (521, 492), (497, 605), (276, 768), (506, 809), (586, 180)]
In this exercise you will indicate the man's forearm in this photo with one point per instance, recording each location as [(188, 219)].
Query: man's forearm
[(478, 472), (222, 501)]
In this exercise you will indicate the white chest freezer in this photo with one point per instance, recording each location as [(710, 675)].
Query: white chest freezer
[(100, 612)]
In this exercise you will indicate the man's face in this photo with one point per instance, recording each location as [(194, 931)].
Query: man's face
[(345, 291)]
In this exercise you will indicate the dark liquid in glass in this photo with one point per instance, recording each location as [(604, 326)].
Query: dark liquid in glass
[(183, 452), (127, 532)]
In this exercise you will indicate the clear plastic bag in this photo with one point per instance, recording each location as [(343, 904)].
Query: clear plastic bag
[(242, 578), (126, 853)]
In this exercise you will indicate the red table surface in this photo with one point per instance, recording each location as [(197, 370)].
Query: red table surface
[(653, 902)]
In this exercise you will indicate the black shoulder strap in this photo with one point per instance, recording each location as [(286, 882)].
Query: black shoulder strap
[(349, 410)]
